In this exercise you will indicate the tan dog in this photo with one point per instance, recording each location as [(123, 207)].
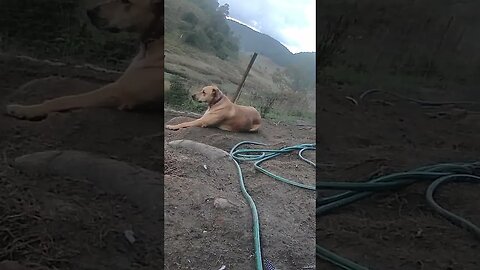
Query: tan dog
[(222, 113), (141, 83)]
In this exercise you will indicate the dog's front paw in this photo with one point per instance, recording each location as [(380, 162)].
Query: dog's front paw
[(172, 127), (22, 112)]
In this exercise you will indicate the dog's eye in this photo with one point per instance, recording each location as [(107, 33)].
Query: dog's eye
[(203, 92)]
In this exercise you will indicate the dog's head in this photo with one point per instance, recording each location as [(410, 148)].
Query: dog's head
[(125, 15), (208, 94)]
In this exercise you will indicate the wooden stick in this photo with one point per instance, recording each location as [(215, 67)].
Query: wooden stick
[(237, 93)]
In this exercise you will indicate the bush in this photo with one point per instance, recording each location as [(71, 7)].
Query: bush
[(190, 18), (197, 39), (179, 97)]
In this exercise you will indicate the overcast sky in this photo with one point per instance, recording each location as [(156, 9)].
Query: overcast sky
[(290, 22)]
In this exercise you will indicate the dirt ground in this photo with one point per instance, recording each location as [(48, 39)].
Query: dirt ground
[(198, 233), (64, 223), (397, 230), (71, 224)]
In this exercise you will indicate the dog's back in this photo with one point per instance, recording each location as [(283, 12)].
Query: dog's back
[(244, 118)]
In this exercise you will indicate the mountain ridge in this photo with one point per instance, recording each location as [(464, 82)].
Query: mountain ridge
[(301, 66)]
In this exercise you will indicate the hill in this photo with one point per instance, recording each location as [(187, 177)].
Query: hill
[(300, 66), (280, 90), (253, 41)]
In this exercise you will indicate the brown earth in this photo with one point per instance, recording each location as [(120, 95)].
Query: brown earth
[(66, 223), (70, 223), (397, 230), (198, 234)]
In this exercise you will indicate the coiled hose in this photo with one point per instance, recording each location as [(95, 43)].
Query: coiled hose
[(437, 174), (259, 156)]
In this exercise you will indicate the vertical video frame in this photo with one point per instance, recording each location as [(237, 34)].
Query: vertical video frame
[(240, 134)]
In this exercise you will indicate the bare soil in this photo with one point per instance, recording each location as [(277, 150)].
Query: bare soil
[(201, 236), (397, 230), (66, 223), (69, 223)]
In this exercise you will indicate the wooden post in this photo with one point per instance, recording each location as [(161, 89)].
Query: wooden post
[(237, 93)]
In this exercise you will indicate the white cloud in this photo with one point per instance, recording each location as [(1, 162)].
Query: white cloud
[(290, 22)]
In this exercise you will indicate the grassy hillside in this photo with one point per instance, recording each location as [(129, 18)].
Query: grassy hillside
[(190, 66), (302, 70)]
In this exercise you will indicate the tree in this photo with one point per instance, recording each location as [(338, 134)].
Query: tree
[(190, 18), (224, 10)]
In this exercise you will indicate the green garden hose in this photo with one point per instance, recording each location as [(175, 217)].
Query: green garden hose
[(437, 174), (260, 156)]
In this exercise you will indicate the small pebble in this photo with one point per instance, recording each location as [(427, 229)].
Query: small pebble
[(130, 236)]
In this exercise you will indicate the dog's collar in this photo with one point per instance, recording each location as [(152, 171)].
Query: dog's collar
[(216, 100)]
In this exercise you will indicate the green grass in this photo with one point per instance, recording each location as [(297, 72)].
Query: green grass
[(285, 111), (180, 98)]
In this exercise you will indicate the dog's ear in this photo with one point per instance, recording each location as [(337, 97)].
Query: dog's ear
[(214, 91)]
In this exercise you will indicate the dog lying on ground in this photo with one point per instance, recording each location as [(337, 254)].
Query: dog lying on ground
[(222, 113), (141, 83)]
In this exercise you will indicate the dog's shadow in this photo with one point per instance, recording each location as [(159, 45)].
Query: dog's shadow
[(39, 90), (224, 140)]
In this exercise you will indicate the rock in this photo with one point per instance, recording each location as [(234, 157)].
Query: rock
[(221, 203), (141, 186), (209, 151)]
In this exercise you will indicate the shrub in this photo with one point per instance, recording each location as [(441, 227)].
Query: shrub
[(179, 97)]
